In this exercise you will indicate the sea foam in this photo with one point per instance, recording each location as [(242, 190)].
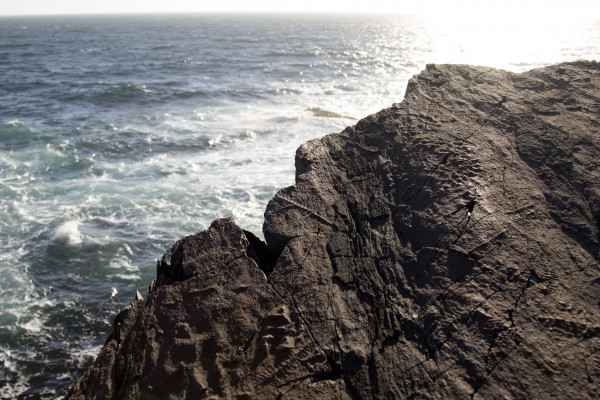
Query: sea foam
[(69, 233)]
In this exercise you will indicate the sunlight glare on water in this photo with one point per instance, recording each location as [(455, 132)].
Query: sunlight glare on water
[(511, 41)]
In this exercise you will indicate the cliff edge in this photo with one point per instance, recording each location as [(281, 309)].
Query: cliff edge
[(445, 247)]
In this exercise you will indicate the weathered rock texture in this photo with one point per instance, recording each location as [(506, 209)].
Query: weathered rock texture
[(444, 248)]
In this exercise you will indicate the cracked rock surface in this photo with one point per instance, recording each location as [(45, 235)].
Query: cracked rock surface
[(445, 247)]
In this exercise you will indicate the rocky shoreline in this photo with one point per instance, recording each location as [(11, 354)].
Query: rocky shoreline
[(445, 247)]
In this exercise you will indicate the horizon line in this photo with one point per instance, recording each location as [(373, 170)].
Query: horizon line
[(129, 13)]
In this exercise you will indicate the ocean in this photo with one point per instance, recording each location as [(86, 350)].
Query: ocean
[(121, 134)]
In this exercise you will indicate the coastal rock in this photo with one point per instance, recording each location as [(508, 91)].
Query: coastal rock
[(445, 247)]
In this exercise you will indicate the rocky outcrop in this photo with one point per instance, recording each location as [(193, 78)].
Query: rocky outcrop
[(446, 247)]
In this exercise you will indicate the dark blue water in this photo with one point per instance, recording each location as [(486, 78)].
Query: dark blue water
[(121, 134)]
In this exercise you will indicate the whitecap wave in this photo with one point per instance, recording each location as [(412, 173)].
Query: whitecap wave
[(129, 277), (215, 140), (69, 233), (34, 325)]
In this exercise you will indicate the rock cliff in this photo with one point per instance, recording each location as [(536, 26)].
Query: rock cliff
[(444, 248)]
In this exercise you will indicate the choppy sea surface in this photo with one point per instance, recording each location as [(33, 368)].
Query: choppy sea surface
[(121, 134)]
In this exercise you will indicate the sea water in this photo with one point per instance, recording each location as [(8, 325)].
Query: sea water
[(121, 134)]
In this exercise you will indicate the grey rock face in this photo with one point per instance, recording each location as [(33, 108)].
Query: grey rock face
[(446, 247)]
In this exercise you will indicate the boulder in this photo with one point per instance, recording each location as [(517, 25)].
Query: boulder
[(447, 247)]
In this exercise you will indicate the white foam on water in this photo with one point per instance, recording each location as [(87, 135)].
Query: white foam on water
[(121, 261), (14, 389), (128, 249), (249, 134), (215, 140), (84, 351), (69, 232), (129, 277), (68, 304), (34, 325)]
